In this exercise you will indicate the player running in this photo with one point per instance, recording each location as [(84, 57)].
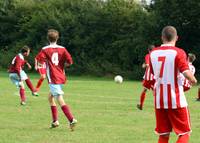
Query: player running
[(148, 81), (55, 57), (18, 75), (166, 63)]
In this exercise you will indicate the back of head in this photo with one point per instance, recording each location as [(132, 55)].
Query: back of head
[(169, 34), (52, 35), (25, 49), (191, 57), (150, 47)]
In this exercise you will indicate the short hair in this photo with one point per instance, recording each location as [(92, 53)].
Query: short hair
[(52, 35), (150, 47), (25, 49), (169, 33), (191, 57)]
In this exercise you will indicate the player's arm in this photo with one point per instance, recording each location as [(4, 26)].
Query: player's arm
[(68, 59), (184, 68), (36, 64), (188, 75), (28, 65)]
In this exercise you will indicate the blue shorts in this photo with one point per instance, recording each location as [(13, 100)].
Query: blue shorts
[(56, 89), (15, 78)]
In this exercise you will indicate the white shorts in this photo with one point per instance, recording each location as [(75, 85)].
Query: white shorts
[(15, 78), (56, 89)]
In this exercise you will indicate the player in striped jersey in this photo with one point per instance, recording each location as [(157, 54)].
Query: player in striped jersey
[(166, 63), (186, 83), (148, 79)]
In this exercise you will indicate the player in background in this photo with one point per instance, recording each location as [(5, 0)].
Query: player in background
[(148, 79), (186, 84), (56, 57), (41, 69), (166, 63), (17, 74)]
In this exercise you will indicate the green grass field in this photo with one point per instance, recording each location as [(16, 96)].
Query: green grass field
[(106, 113)]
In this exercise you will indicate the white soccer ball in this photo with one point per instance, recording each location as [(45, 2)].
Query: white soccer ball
[(118, 79)]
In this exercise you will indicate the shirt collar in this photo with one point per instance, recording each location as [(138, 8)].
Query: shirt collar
[(167, 45), (21, 56)]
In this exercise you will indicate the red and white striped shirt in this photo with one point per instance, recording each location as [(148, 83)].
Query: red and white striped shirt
[(166, 63), (186, 82), (148, 75)]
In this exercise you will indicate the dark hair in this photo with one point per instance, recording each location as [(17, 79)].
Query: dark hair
[(191, 57), (150, 47), (25, 49), (52, 35), (169, 33)]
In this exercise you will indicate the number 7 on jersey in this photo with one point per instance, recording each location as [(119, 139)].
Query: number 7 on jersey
[(162, 60)]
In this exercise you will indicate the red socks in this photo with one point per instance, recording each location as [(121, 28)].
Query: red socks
[(183, 138), (22, 94), (67, 112), (54, 112), (30, 85), (142, 98), (163, 139), (39, 82)]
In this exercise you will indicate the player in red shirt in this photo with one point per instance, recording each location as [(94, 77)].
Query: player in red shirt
[(148, 81), (17, 74), (166, 63), (186, 84), (56, 57), (41, 69)]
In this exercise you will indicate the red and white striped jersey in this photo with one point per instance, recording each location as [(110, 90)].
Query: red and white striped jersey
[(148, 75), (186, 82), (166, 63)]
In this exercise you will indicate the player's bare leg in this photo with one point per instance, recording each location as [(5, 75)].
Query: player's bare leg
[(66, 110), (54, 111)]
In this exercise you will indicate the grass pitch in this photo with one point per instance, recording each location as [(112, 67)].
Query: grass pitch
[(106, 113)]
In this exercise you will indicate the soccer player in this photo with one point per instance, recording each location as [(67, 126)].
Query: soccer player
[(166, 63), (17, 74), (148, 81), (56, 57), (41, 68), (186, 84)]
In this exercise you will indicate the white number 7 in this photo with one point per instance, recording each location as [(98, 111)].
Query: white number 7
[(54, 58)]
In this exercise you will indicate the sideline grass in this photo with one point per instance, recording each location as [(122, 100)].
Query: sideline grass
[(106, 113)]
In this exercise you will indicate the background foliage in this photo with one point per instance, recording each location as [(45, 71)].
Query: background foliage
[(104, 37)]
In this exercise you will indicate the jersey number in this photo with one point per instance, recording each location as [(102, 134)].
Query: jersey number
[(54, 59), (162, 60)]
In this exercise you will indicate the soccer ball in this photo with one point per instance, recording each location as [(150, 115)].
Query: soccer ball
[(118, 79)]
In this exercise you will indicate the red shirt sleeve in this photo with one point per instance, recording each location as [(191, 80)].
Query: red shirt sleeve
[(41, 57), (18, 65), (182, 61), (147, 59), (68, 57)]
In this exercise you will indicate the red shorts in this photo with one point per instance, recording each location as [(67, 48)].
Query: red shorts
[(148, 84), (176, 119), (42, 70), (186, 88)]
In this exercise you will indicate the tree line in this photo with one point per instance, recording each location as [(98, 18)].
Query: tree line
[(104, 37)]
